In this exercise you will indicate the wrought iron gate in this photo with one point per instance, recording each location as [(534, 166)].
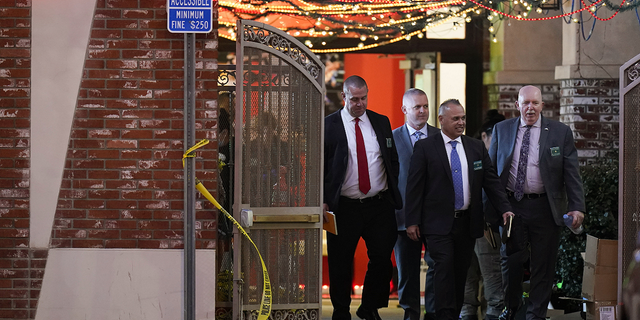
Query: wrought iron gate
[(278, 172), (629, 202)]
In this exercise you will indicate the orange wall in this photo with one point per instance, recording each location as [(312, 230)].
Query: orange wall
[(385, 81)]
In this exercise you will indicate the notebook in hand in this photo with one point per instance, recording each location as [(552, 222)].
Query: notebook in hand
[(506, 230), (329, 224)]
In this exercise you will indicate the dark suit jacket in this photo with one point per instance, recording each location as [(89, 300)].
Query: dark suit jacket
[(558, 163), (405, 150), (336, 155), (430, 197)]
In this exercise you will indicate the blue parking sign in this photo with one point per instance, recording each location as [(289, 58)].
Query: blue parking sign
[(190, 16)]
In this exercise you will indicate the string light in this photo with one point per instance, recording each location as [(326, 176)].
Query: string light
[(385, 21)]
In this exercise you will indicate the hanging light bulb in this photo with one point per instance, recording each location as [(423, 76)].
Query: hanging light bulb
[(491, 29), (575, 20), (360, 45), (420, 35), (539, 10), (495, 40), (363, 38), (467, 19)]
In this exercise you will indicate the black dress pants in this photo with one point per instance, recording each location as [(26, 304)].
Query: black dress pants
[(374, 221), (452, 256), (535, 236)]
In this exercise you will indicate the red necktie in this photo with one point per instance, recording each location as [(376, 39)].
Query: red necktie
[(363, 166)]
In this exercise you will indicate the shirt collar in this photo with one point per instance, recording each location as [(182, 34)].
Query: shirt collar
[(447, 139), (412, 130), (347, 116), (535, 125)]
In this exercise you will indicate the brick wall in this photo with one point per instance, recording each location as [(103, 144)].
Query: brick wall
[(504, 97), (591, 108), (21, 268), (122, 184)]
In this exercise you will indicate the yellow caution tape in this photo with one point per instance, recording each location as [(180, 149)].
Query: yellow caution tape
[(265, 303), (189, 154)]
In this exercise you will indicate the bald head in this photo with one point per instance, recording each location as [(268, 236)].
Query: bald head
[(529, 104)]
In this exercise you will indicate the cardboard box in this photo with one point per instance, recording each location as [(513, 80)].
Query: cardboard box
[(601, 252), (601, 310), (600, 283)]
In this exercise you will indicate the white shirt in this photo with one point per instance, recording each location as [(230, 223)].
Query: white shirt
[(533, 181), (377, 173), (463, 163), (412, 131)]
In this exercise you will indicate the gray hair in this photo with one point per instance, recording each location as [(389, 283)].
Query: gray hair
[(446, 105), (412, 93)]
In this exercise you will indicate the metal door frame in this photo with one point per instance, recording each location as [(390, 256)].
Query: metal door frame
[(274, 41), (627, 232)]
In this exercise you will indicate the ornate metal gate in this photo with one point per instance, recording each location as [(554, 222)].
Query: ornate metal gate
[(278, 172)]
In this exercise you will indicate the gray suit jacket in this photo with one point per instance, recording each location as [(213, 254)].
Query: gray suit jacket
[(558, 163), (405, 150)]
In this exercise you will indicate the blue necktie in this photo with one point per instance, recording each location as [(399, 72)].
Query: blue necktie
[(522, 165), (416, 136), (456, 174)]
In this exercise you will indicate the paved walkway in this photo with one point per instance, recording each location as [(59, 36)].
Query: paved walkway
[(394, 312)]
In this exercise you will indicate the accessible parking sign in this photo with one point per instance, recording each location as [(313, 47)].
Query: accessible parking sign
[(190, 16)]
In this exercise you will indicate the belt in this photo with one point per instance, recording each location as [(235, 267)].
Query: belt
[(527, 195), (363, 200), (460, 213)]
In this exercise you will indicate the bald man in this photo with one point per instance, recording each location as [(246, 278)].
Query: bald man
[(537, 162)]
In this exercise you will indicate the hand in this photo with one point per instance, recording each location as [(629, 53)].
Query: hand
[(505, 216), (325, 208), (413, 232), (577, 218)]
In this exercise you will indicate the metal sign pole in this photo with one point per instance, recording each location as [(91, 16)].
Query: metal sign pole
[(189, 178)]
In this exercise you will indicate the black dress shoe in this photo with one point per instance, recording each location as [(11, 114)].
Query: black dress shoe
[(429, 316), (368, 314), (508, 314)]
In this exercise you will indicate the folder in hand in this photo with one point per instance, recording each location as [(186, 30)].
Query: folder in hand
[(488, 234), (329, 224), (506, 230)]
